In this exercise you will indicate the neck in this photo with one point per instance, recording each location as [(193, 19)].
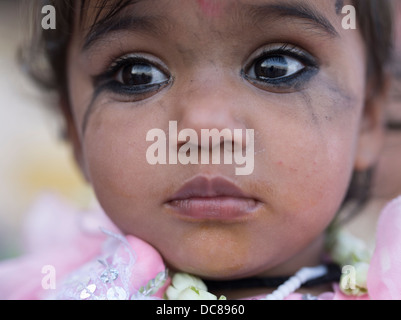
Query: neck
[(309, 257)]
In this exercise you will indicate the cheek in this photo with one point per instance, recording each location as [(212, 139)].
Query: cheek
[(115, 148), (308, 179), (309, 151)]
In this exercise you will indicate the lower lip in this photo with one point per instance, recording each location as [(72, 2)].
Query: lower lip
[(218, 208)]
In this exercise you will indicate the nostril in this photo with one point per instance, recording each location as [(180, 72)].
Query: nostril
[(215, 138)]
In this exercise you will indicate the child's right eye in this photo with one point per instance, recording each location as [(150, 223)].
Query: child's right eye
[(140, 74), (133, 76)]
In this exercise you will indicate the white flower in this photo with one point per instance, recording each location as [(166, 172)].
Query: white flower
[(362, 270), (348, 249), (193, 293), (187, 287)]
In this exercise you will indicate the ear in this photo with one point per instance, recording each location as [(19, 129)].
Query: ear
[(372, 129), (72, 136)]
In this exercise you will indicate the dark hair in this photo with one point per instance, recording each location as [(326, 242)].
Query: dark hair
[(376, 22), (45, 56)]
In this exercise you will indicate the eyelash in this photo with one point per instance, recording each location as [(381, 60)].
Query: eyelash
[(107, 81)]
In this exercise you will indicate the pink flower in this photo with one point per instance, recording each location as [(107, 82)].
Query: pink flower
[(384, 278)]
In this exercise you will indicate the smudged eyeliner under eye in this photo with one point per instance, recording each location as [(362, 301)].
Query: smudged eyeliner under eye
[(281, 67), (133, 76)]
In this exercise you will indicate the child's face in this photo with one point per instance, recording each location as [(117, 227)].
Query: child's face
[(285, 69)]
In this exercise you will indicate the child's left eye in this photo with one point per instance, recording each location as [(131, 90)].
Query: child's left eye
[(274, 67), (281, 68)]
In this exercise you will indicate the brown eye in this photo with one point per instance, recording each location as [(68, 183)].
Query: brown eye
[(140, 74), (275, 67)]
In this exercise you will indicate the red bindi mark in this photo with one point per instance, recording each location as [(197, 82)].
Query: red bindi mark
[(211, 8)]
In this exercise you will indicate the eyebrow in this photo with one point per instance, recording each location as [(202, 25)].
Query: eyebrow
[(144, 24), (298, 10)]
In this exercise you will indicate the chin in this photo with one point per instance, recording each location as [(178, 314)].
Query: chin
[(216, 251), (225, 266)]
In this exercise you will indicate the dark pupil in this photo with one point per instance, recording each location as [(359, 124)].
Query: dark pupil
[(272, 67), (137, 74)]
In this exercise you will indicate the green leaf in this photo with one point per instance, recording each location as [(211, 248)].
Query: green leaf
[(194, 289)]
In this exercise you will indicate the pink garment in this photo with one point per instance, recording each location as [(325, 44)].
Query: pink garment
[(84, 249), (93, 260)]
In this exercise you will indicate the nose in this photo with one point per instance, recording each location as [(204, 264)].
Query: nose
[(212, 108)]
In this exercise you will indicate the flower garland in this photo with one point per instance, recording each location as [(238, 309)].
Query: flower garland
[(188, 287), (354, 256)]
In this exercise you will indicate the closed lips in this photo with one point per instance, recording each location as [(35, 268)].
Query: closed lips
[(216, 198)]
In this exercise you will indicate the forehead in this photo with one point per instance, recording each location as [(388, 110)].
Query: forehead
[(210, 7), (100, 18)]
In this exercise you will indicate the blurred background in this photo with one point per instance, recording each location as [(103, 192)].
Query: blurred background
[(33, 159)]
